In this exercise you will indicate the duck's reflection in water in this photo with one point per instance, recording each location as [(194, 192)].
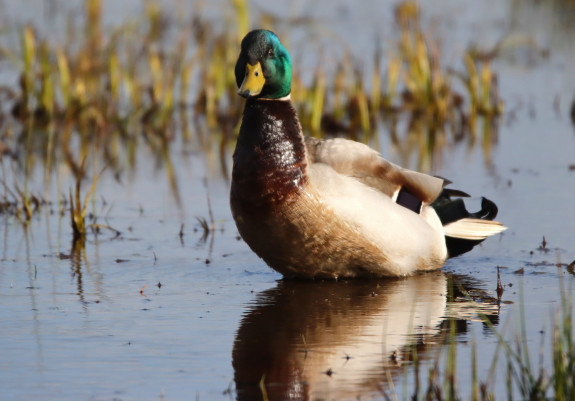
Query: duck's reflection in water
[(318, 340)]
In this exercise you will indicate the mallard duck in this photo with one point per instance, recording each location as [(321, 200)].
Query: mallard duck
[(334, 208)]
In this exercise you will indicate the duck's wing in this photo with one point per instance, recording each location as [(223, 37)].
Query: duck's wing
[(357, 160)]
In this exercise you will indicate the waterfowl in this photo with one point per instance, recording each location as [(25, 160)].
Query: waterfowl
[(334, 208)]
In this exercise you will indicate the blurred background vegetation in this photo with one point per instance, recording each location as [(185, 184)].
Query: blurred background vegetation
[(90, 94)]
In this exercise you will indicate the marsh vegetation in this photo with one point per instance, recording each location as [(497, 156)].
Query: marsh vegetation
[(115, 142)]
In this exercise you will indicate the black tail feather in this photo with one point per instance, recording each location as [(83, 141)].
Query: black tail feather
[(450, 210), (488, 210)]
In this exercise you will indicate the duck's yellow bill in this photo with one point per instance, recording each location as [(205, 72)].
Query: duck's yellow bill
[(253, 82)]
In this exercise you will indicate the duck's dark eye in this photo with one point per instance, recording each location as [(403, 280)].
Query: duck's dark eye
[(270, 52)]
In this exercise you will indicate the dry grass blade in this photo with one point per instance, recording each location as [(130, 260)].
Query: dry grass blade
[(78, 208), (205, 227)]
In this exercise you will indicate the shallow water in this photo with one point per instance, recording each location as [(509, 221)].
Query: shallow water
[(150, 314)]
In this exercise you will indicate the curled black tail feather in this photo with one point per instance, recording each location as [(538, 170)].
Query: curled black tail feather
[(450, 210), (488, 210)]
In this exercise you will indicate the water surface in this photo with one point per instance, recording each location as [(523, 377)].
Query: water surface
[(151, 314)]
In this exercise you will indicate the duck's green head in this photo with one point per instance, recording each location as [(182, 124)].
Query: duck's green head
[(263, 69)]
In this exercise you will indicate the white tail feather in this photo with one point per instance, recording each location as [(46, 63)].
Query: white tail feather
[(473, 229)]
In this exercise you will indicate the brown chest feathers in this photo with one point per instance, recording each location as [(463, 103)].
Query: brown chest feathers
[(270, 160)]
